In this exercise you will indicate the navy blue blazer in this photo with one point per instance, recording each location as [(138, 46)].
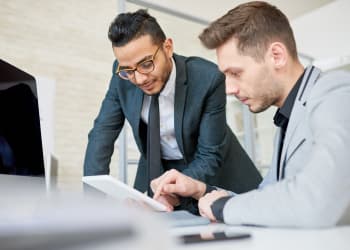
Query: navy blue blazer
[(211, 152)]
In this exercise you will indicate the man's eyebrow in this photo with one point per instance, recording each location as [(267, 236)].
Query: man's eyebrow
[(142, 60), (224, 70), (229, 68)]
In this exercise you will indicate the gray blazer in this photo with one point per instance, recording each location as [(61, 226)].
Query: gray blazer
[(211, 151), (313, 187)]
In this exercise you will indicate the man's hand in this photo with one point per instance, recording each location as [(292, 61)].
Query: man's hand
[(204, 203), (173, 182), (170, 201)]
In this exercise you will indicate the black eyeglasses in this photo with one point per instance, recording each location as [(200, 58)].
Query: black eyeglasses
[(144, 67)]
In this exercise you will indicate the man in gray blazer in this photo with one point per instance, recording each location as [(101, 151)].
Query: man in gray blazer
[(308, 183), (194, 136)]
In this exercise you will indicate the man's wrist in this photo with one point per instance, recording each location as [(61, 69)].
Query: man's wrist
[(201, 188)]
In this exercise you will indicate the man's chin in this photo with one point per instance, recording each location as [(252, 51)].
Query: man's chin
[(152, 91), (256, 110), (147, 92)]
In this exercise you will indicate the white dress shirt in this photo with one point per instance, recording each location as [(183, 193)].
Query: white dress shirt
[(169, 148)]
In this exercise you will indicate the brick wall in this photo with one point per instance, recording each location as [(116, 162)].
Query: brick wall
[(65, 41)]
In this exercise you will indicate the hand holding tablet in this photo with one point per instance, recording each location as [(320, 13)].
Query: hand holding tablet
[(119, 190)]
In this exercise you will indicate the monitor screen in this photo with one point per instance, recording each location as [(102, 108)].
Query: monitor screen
[(21, 150)]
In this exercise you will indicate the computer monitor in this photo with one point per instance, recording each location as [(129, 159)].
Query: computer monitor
[(21, 151)]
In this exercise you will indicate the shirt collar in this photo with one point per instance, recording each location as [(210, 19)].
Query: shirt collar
[(169, 87), (282, 115)]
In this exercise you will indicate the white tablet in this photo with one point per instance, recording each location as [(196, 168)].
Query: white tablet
[(120, 190)]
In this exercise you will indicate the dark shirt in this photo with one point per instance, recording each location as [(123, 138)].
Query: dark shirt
[(281, 119), (282, 115)]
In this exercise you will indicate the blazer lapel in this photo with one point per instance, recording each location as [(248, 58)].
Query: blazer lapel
[(277, 141), (180, 100), (292, 139)]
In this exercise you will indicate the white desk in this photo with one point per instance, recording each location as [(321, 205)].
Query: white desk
[(27, 210), (272, 238)]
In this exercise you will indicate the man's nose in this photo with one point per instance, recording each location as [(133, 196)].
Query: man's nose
[(140, 78), (231, 88)]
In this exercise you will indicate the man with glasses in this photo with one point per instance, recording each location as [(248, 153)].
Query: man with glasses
[(145, 66), (176, 108)]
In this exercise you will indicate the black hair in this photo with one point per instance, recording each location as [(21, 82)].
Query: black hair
[(129, 26)]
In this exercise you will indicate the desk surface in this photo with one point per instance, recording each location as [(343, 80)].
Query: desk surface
[(271, 238), (19, 208)]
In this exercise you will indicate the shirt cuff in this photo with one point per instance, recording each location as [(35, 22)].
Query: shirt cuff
[(217, 208), (209, 188)]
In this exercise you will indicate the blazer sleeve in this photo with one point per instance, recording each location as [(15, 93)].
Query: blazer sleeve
[(105, 131), (318, 195), (212, 137)]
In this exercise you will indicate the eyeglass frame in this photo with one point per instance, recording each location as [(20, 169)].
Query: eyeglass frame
[(118, 71)]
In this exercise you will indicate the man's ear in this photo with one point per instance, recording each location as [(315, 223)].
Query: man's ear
[(168, 47), (278, 54)]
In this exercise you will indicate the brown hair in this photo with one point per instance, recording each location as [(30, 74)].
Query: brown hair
[(255, 25)]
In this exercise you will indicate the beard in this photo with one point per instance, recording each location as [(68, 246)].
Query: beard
[(267, 101)]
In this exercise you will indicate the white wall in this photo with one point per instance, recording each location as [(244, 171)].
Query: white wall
[(324, 34)]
